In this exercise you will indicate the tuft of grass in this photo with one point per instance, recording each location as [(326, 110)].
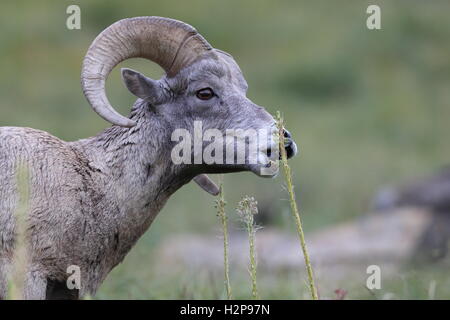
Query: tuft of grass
[(220, 206), (20, 260), (294, 208), (246, 210)]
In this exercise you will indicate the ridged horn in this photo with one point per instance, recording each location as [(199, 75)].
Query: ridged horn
[(170, 43)]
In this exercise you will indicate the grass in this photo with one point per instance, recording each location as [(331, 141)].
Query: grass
[(220, 206), (247, 208), (374, 112), (294, 208), (20, 260)]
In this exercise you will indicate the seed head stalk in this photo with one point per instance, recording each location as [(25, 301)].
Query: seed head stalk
[(220, 206), (20, 260), (294, 208), (251, 232), (246, 210)]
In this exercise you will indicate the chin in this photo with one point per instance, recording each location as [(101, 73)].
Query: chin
[(269, 170)]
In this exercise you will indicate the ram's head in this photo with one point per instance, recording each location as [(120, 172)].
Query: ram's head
[(203, 92)]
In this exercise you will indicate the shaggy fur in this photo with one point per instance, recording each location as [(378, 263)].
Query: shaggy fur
[(92, 199)]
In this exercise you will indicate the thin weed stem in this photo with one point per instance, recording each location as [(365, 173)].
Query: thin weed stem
[(220, 206), (20, 260), (246, 210), (294, 208)]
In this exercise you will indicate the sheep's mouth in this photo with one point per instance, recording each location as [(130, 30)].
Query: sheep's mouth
[(269, 166), (269, 170), (291, 148)]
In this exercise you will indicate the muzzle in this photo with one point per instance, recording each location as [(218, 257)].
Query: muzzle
[(289, 145)]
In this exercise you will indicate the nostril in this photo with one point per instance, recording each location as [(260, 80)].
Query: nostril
[(269, 152), (290, 150), (287, 134)]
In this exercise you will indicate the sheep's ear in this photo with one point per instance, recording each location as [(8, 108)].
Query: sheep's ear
[(141, 86), (207, 184)]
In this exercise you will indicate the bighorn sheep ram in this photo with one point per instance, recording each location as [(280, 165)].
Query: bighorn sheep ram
[(92, 199)]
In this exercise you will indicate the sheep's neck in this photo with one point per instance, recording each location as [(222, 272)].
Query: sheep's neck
[(134, 168)]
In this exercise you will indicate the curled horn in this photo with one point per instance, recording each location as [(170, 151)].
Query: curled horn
[(170, 43)]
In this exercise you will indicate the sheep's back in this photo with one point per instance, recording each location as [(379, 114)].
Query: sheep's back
[(57, 193)]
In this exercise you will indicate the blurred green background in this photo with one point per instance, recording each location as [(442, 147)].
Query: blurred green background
[(367, 108)]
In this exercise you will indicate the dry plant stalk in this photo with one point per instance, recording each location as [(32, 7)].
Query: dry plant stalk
[(246, 210), (20, 261), (220, 206), (294, 209)]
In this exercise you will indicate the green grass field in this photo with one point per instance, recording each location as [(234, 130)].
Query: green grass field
[(367, 108)]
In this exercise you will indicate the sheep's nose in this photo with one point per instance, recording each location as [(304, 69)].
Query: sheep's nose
[(287, 134), (289, 144)]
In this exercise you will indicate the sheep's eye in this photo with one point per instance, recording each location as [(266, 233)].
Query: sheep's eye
[(205, 94)]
